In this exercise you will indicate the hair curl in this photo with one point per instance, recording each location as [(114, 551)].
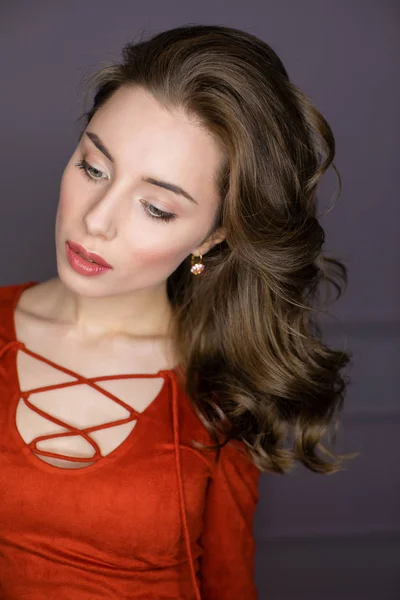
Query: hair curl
[(246, 330)]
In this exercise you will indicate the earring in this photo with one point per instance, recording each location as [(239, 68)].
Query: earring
[(197, 268)]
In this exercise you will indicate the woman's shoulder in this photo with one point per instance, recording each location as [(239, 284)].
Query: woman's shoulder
[(9, 295), (9, 292)]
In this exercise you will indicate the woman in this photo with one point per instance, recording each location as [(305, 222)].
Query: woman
[(176, 355)]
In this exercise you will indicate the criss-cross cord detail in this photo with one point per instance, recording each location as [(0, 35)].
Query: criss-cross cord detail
[(75, 431), (16, 345)]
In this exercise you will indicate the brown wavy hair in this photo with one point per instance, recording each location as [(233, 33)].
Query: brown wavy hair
[(246, 330)]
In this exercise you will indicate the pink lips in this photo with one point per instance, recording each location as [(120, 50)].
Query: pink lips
[(88, 255)]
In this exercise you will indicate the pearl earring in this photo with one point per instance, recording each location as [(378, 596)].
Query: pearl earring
[(198, 267)]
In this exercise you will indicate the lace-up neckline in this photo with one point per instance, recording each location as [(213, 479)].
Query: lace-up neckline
[(79, 380), (15, 345)]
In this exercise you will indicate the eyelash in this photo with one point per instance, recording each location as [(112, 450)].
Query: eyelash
[(163, 216)]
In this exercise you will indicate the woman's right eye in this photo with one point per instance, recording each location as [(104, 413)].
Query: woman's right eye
[(87, 169)]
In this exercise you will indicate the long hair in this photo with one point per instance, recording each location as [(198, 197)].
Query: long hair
[(246, 330)]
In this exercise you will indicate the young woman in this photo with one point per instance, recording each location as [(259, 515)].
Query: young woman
[(176, 354)]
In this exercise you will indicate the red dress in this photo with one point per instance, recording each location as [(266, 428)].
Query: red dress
[(154, 519)]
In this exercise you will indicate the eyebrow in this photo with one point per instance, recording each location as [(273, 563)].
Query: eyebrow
[(163, 184)]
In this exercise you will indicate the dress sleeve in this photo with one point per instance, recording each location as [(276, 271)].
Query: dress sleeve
[(227, 562)]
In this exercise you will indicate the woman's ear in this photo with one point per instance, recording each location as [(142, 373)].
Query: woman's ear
[(218, 236), (215, 238)]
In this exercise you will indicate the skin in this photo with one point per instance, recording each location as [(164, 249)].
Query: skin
[(107, 216)]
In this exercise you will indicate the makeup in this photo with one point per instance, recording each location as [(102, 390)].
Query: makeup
[(83, 266)]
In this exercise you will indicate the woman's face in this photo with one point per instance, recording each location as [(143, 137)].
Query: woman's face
[(112, 205)]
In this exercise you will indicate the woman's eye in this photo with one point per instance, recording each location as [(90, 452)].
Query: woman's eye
[(91, 172), (151, 211), (155, 213)]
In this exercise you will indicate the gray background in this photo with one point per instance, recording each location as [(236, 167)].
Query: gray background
[(318, 537)]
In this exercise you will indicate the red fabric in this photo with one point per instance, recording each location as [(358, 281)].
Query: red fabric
[(154, 519)]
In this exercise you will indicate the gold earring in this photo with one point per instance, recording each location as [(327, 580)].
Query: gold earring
[(198, 267)]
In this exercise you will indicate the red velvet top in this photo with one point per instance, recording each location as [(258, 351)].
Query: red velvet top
[(154, 519)]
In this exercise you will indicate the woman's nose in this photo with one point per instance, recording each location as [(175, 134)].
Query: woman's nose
[(101, 218)]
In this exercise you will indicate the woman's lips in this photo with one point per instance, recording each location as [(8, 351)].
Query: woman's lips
[(88, 255), (83, 266)]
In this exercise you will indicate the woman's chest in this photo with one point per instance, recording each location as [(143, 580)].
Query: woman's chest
[(130, 509), (128, 503), (69, 415), (78, 400)]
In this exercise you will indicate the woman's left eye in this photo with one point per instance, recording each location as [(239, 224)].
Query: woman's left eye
[(160, 214)]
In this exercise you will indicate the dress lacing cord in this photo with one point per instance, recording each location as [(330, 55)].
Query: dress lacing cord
[(13, 344), (175, 413), (16, 344)]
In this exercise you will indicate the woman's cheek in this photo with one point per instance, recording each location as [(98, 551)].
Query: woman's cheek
[(68, 192), (160, 258)]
